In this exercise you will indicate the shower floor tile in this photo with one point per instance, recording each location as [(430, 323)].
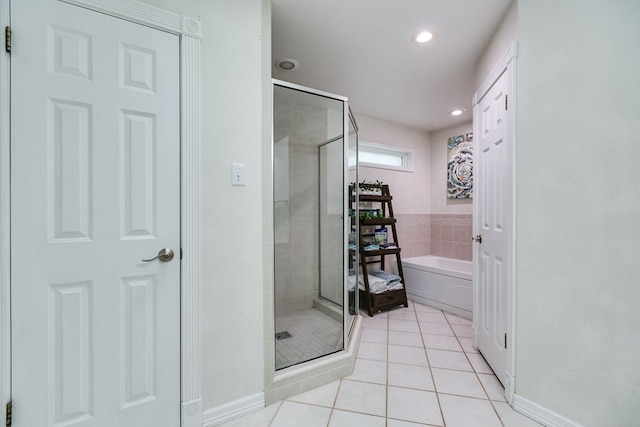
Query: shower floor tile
[(313, 334)]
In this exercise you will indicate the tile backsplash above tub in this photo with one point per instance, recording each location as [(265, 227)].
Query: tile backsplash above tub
[(445, 235)]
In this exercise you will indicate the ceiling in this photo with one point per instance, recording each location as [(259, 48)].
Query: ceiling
[(362, 49)]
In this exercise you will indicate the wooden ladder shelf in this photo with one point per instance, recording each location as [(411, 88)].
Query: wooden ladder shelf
[(383, 216)]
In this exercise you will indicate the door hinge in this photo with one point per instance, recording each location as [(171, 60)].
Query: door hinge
[(506, 102), (9, 411), (180, 253), (7, 39), (505, 341)]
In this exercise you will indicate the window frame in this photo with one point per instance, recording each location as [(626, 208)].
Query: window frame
[(405, 154)]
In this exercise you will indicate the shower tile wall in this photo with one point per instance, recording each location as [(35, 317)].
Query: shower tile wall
[(296, 267)]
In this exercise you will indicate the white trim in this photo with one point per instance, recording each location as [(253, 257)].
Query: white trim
[(495, 73), (142, 13), (541, 414), (309, 90), (507, 64), (5, 224), (190, 232), (229, 411), (189, 30)]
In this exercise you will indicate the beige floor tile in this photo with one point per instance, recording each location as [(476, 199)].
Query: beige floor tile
[(465, 331), (372, 351), (362, 397), (479, 364), (410, 376), (353, 419), (492, 386), (322, 396), (456, 360), (403, 325), (402, 313), (414, 405), (429, 316), (441, 342), (465, 412), (411, 339), (436, 328), (374, 322), (467, 345), (374, 335), (458, 383), (457, 320), (293, 414), (372, 371), (407, 355)]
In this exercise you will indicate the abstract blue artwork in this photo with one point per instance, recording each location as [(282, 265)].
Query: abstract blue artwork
[(460, 167)]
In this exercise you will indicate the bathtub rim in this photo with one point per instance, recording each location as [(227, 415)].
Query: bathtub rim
[(411, 263)]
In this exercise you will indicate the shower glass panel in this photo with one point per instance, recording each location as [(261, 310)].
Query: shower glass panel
[(309, 165), (352, 225), (332, 221)]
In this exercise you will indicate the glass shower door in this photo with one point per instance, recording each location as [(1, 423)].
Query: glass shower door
[(309, 238)]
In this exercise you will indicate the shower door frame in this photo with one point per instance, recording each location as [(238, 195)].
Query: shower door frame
[(347, 118)]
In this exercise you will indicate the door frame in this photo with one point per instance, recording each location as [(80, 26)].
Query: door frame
[(189, 31), (506, 65)]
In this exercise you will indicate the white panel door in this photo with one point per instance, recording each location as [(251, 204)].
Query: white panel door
[(95, 189), (492, 196)]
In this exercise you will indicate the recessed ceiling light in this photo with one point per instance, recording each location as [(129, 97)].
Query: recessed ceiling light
[(287, 64), (457, 112), (423, 37)]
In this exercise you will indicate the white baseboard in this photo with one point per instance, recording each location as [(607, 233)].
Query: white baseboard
[(543, 415), (228, 411)]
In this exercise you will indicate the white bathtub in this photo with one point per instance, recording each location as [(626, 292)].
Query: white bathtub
[(442, 283)]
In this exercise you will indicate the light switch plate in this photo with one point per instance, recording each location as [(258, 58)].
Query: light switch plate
[(237, 174)]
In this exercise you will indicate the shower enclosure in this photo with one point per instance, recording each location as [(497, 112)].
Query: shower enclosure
[(313, 136)]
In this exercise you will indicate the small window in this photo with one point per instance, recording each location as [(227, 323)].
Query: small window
[(382, 156)]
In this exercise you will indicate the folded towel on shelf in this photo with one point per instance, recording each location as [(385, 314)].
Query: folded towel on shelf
[(376, 284), (391, 279), (395, 287)]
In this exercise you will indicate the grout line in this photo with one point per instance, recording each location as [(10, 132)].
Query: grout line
[(276, 412), (433, 381), (476, 373)]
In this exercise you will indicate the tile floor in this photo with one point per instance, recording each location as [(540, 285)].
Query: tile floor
[(415, 367), (313, 334)]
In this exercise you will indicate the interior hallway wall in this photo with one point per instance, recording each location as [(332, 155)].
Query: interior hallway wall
[(578, 209), (233, 119), (504, 35), (451, 219), (411, 191)]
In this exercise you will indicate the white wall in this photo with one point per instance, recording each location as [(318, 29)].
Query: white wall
[(504, 35), (578, 209), (440, 204), (411, 190), (233, 76)]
